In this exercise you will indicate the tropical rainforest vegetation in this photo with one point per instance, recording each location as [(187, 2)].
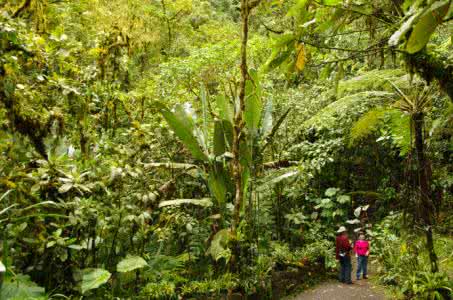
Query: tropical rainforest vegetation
[(207, 149)]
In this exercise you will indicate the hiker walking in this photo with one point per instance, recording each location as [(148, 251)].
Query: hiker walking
[(362, 251), (343, 254)]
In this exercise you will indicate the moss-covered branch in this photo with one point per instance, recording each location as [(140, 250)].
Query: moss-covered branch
[(430, 67)]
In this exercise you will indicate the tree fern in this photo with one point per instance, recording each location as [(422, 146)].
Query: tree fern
[(375, 80), (395, 125), (347, 109), (400, 130), (367, 124)]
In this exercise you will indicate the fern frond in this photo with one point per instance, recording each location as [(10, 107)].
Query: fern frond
[(347, 109), (375, 80), (367, 124), (400, 129)]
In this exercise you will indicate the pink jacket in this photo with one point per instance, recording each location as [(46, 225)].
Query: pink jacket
[(361, 247)]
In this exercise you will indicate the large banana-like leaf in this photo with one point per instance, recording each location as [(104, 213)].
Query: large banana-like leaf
[(225, 108), (217, 187), (220, 146), (245, 153), (223, 136), (218, 182), (253, 104), (183, 127)]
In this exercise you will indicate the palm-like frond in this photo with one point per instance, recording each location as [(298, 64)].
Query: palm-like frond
[(417, 102)]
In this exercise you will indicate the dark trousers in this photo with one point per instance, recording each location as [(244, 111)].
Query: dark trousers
[(345, 269), (362, 264)]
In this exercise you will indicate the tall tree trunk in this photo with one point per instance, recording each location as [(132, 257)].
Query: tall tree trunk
[(427, 206), (239, 121)]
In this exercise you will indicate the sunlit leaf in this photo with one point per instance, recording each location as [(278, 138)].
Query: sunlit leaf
[(225, 108), (93, 278), (131, 263), (20, 288), (331, 192), (426, 25), (219, 245), (65, 187), (253, 104), (183, 127)]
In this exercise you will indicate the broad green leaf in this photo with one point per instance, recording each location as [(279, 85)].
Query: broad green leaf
[(131, 263), (219, 245), (282, 50), (220, 146), (245, 154), (331, 192), (266, 123), (426, 26), (343, 199), (206, 202), (256, 80), (326, 202), (93, 278), (277, 58), (183, 127), (21, 288), (253, 105), (217, 183), (225, 108)]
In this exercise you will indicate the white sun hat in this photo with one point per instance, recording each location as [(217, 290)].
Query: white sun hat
[(341, 229)]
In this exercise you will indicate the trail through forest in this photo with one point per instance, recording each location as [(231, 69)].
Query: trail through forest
[(217, 149), (334, 290), (362, 289)]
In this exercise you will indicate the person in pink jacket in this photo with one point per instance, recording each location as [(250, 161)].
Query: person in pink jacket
[(362, 251)]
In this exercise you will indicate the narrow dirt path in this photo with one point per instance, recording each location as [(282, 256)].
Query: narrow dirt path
[(334, 290)]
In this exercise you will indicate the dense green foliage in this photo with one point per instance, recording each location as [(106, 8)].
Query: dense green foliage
[(211, 148)]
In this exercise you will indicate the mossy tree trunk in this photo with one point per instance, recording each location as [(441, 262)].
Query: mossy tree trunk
[(424, 181)]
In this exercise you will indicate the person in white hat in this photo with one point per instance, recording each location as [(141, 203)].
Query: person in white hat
[(343, 254)]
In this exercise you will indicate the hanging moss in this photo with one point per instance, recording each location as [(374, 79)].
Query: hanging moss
[(432, 68)]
